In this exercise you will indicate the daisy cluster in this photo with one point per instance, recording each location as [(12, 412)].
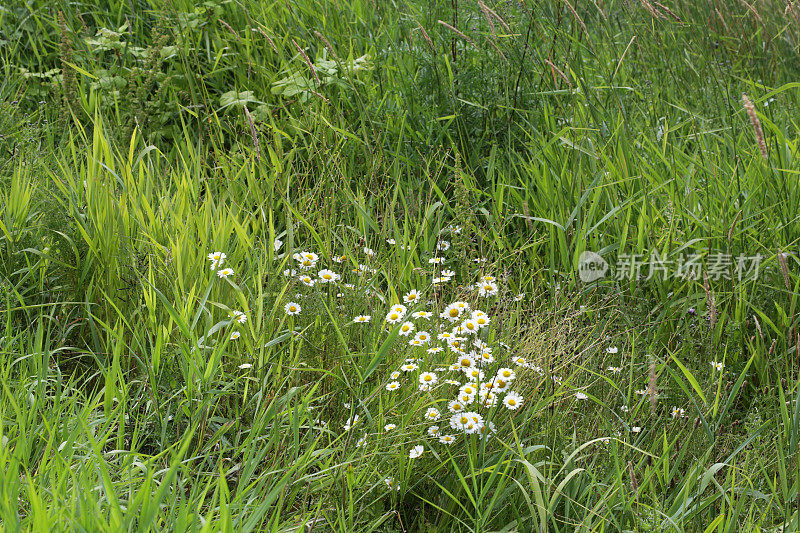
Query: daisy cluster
[(453, 362)]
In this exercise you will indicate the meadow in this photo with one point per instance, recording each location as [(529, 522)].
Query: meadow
[(400, 265)]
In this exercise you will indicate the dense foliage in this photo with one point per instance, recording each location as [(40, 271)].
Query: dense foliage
[(320, 265)]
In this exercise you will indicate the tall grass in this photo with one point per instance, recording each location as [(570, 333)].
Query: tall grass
[(137, 138)]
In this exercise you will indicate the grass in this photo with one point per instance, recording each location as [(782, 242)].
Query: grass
[(505, 138)]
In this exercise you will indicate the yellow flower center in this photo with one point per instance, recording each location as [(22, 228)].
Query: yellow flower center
[(454, 313)]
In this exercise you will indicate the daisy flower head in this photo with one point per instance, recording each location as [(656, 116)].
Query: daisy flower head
[(488, 288), (391, 483), (216, 258), (389, 427), (362, 319), (488, 398), (470, 326), (447, 273), (636, 429), (239, 317), (519, 297), (513, 401), (466, 362), (452, 382), (409, 367), (328, 276), (677, 412), (392, 386), (394, 375), (412, 296), (292, 308), (482, 320), (432, 414), (406, 328), (308, 281), (463, 306), (614, 369), (459, 420), (434, 350), (422, 314), (306, 260), (469, 389), (393, 317), (520, 361), (416, 451), (436, 260), (339, 258), (500, 385), (225, 272), (455, 406), (474, 374), (423, 337), (580, 396), (441, 279), (428, 378), (718, 366), (456, 344), (486, 357), (433, 431), (612, 349), (391, 241), (290, 272), (447, 439), (369, 251), (399, 309), (235, 335), (506, 374), (451, 313), (276, 244), (443, 246)]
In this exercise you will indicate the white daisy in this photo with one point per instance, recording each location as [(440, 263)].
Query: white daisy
[(361, 319), (225, 272), (513, 401), (328, 276), (216, 258), (412, 296), (392, 386), (416, 451), (428, 378), (406, 329), (447, 439), (292, 308)]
